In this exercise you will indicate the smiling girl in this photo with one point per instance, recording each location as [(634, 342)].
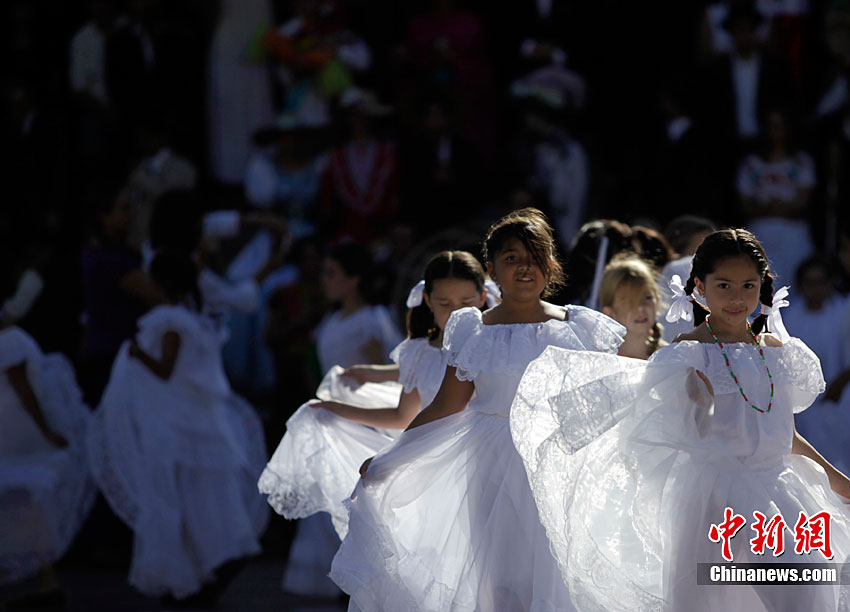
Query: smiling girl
[(629, 294), (637, 467), (315, 467), (444, 518)]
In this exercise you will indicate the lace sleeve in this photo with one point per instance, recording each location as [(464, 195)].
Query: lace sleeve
[(600, 332), (800, 368)]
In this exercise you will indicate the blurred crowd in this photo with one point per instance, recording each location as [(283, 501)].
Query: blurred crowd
[(256, 135)]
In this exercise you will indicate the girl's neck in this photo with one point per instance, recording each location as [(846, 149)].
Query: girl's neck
[(351, 304), (729, 334), (635, 346), (532, 311)]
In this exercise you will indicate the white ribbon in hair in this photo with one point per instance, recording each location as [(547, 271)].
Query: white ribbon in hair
[(680, 307), (494, 294), (774, 317), (414, 298), (601, 260)]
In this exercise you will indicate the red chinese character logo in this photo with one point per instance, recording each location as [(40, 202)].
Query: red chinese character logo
[(813, 533), (726, 531), (770, 535)]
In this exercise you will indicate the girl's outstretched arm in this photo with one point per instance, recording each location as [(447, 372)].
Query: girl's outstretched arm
[(452, 397), (387, 418), (160, 367), (363, 373), (837, 480)]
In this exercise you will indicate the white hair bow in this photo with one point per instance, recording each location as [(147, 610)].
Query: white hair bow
[(494, 294), (414, 298), (774, 317), (680, 307)]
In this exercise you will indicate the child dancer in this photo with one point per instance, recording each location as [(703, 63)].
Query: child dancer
[(354, 332), (174, 451), (444, 519), (315, 467), (45, 488), (637, 470), (629, 294)]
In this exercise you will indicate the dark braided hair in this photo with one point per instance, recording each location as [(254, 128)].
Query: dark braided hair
[(731, 243)]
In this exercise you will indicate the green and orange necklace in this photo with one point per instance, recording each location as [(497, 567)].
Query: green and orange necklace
[(732, 372)]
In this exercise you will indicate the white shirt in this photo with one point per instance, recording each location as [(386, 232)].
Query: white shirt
[(745, 74)]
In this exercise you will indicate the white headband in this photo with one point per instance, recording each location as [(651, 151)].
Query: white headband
[(494, 294), (601, 257)]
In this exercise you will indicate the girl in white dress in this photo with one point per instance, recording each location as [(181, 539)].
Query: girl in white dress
[(444, 518), (636, 466), (45, 488), (355, 332), (629, 294), (315, 467), (174, 450)]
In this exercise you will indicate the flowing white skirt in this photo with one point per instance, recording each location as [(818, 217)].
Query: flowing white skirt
[(445, 521), (181, 474), (316, 464), (45, 494), (628, 485)]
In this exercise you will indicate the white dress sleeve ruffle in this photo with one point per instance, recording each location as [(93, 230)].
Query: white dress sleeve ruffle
[(421, 366), (473, 347), (794, 365)]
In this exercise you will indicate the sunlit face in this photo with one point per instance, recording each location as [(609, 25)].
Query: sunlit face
[(336, 284), (634, 307), (731, 292), (517, 273), (450, 294)]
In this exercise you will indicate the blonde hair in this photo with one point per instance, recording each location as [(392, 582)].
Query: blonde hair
[(637, 276)]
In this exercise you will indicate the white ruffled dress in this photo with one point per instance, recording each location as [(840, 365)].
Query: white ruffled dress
[(177, 460), (445, 519), (317, 463), (45, 492), (631, 464)]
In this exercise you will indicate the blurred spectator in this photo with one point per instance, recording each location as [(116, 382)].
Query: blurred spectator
[(238, 88), (117, 290), (747, 81), (285, 174), (446, 47), (554, 163), (652, 246), (319, 57), (88, 52), (775, 186), (160, 170), (441, 174), (360, 191), (715, 37)]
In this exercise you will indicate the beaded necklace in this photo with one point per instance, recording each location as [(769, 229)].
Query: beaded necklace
[(732, 373)]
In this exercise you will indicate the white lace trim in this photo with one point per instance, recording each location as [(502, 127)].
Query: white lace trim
[(473, 347)]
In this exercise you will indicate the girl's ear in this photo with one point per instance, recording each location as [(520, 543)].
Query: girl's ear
[(700, 287), (483, 299), (491, 272), (427, 299)]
